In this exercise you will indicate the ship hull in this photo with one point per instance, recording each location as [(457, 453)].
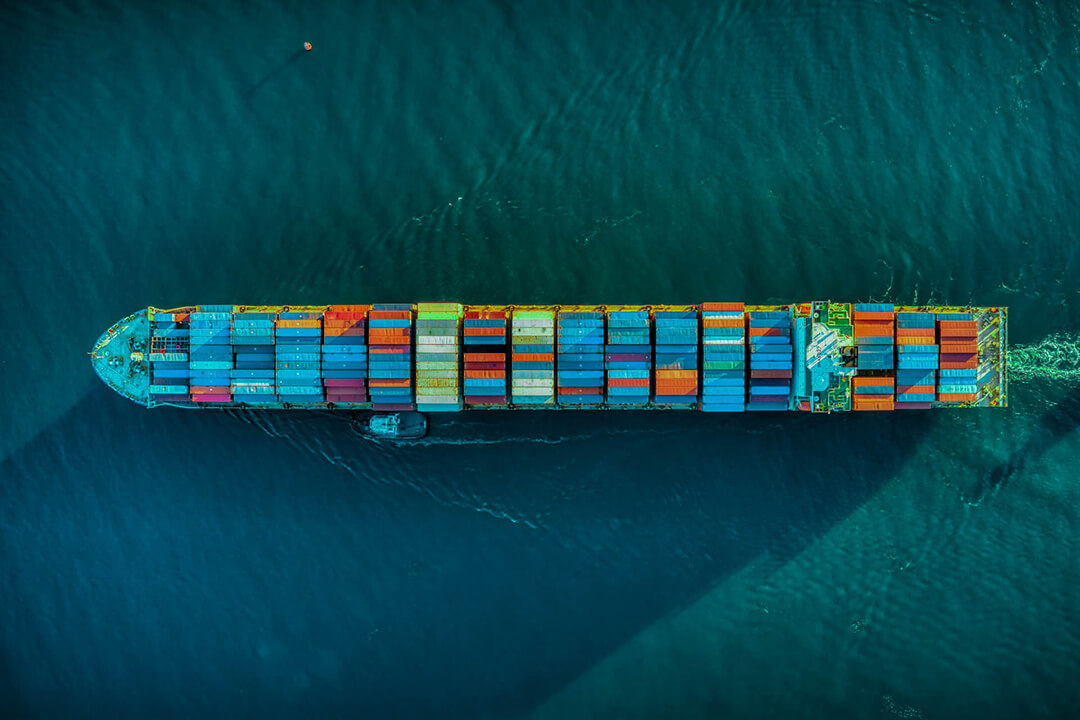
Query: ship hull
[(816, 356)]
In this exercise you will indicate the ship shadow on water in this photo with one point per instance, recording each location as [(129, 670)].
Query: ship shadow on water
[(1050, 429), (477, 573)]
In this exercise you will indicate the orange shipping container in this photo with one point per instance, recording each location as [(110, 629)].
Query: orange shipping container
[(485, 357), (298, 323), (670, 374), (724, 322), (386, 382), (722, 306), (861, 315), (484, 332), (873, 331), (628, 382), (391, 314), (534, 357), (956, 397), (947, 347), (485, 374), (873, 382)]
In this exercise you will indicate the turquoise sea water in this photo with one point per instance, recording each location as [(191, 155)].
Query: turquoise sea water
[(173, 563)]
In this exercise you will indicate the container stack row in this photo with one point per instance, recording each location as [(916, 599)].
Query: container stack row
[(723, 372), (875, 328), (298, 357), (581, 358), (533, 369), (344, 354), (874, 393), (958, 335), (628, 357), (390, 371), (771, 360), (252, 338), (169, 371), (915, 385), (676, 357), (210, 354), (438, 380), (485, 357)]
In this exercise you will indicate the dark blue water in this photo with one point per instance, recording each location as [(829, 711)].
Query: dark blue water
[(168, 563)]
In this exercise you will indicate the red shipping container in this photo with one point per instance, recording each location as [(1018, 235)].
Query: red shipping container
[(393, 406), (484, 357), (767, 332), (484, 332), (215, 398), (958, 348), (770, 374), (581, 391), (336, 315), (485, 365), (345, 398), (636, 357), (391, 314), (486, 314), (900, 405), (344, 382)]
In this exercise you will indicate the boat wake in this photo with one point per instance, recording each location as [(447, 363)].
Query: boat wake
[(1056, 357)]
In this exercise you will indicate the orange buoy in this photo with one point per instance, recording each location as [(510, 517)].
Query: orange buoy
[(307, 46)]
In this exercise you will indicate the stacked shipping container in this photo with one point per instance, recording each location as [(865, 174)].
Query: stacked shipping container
[(298, 357), (344, 354), (874, 393), (255, 356), (533, 369), (169, 370), (676, 357), (390, 356), (628, 357), (770, 360), (252, 338), (958, 336), (485, 357), (874, 327), (723, 346), (210, 357), (581, 357), (915, 374), (438, 382)]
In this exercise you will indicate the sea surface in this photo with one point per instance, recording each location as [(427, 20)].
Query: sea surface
[(169, 563)]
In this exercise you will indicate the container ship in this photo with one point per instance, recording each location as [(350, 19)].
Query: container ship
[(818, 356)]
